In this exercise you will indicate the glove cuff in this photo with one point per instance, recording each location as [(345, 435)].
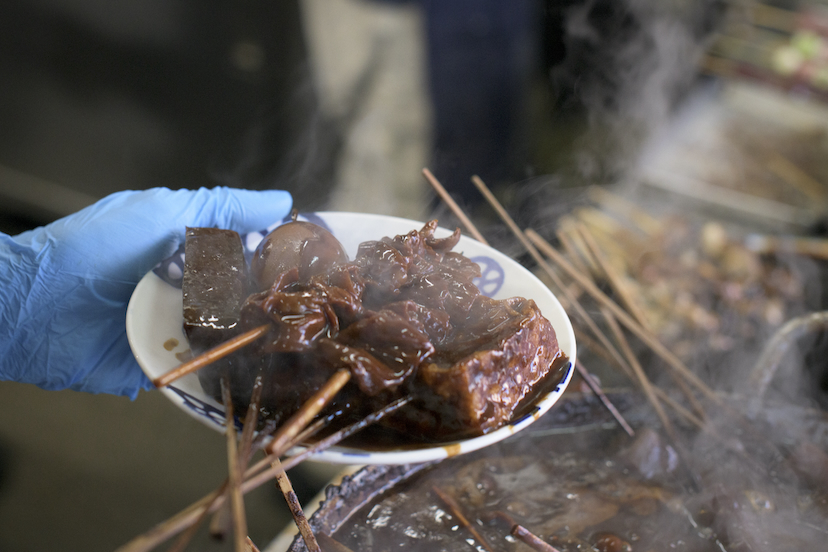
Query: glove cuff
[(19, 266)]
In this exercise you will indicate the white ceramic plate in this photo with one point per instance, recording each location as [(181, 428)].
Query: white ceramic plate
[(154, 327)]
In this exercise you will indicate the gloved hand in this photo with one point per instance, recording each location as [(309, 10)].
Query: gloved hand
[(64, 288)]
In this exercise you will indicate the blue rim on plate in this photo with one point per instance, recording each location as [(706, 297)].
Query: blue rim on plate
[(154, 327)]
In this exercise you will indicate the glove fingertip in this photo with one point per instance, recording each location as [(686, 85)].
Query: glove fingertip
[(249, 210)]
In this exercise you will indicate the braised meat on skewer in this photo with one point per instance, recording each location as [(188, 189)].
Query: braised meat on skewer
[(404, 317)]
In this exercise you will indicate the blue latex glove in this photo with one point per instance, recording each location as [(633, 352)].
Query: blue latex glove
[(64, 288)]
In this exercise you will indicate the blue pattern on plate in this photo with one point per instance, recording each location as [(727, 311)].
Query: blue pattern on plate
[(525, 416), (206, 410), (564, 378), (171, 269), (492, 275)]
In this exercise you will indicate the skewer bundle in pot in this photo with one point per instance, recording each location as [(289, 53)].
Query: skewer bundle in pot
[(404, 317)]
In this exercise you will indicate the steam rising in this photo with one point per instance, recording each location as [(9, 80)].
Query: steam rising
[(627, 64)]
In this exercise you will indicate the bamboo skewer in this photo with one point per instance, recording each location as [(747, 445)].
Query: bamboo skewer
[(791, 173), (209, 504), (573, 250), (530, 539), (598, 349), (596, 254), (458, 212), (664, 397), (344, 433), (173, 525), (286, 436), (223, 516), (250, 420), (569, 295), (255, 476), (645, 222), (458, 513), (214, 354), (250, 546), (590, 287), (187, 536), (613, 277), (234, 470), (220, 523), (294, 506), (243, 455), (574, 245), (307, 412), (215, 499), (643, 380), (593, 385), (650, 340)]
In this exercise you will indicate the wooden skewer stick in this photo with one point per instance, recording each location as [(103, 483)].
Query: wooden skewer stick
[(575, 255), (187, 536), (791, 173), (458, 212), (458, 513), (209, 504), (681, 411), (250, 421), (256, 477), (582, 280), (593, 385), (234, 471), (612, 276), (295, 507), (180, 521), (645, 222), (601, 351), (620, 314), (598, 349), (307, 412), (250, 546), (667, 399), (570, 299), (216, 499), (214, 354), (220, 524), (642, 378), (595, 256), (311, 430), (223, 516), (527, 537)]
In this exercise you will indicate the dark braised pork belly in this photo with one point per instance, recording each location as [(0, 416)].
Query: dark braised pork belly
[(406, 319)]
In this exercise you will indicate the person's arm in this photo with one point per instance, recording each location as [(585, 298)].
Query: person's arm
[(64, 287)]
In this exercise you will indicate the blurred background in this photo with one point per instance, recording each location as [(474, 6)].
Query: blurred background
[(718, 104)]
